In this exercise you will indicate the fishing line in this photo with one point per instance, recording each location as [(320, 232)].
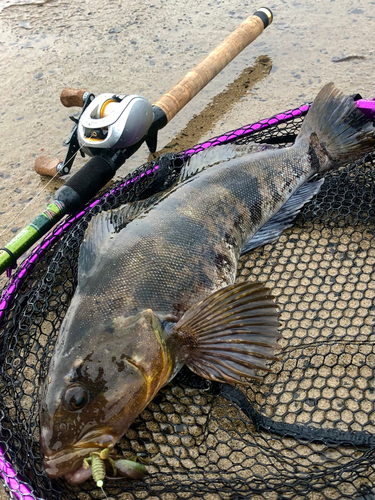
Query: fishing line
[(103, 492), (35, 197), (28, 204)]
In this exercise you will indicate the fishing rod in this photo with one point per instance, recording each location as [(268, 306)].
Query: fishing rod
[(111, 128)]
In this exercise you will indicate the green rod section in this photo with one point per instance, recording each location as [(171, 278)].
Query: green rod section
[(30, 234)]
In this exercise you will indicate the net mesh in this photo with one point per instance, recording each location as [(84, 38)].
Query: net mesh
[(305, 432)]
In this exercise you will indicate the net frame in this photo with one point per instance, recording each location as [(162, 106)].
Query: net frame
[(20, 489)]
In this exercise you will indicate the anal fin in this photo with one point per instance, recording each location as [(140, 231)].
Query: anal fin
[(285, 217), (230, 334)]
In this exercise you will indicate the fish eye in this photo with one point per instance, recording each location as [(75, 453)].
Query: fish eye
[(76, 397)]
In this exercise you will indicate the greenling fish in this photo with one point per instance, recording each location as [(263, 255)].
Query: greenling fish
[(159, 291)]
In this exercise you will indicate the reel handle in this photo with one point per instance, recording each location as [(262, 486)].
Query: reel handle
[(72, 97), (194, 81)]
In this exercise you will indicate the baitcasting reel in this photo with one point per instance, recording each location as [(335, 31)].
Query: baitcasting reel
[(113, 122), (108, 122)]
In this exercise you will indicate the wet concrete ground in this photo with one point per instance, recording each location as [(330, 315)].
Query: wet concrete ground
[(146, 47)]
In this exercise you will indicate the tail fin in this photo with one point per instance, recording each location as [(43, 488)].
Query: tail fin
[(336, 130)]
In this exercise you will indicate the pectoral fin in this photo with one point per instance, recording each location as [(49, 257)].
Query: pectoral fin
[(230, 334)]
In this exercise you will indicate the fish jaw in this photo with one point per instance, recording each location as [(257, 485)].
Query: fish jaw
[(63, 455), (70, 460), (65, 445), (79, 476)]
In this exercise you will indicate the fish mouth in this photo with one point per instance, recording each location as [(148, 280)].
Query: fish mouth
[(70, 459)]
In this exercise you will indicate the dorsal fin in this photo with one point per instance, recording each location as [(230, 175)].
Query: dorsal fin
[(218, 154), (94, 246), (101, 232)]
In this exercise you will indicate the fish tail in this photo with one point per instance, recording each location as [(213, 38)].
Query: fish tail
[(335, 130)]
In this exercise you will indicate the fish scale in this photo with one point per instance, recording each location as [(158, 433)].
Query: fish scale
[(174, 253)]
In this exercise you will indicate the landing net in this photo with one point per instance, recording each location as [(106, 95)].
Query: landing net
[(307, 431)]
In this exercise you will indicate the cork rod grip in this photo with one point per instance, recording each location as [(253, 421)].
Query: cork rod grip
[(179, 95)]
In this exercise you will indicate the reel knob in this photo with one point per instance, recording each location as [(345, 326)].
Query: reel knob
[(72, 97), (44, 165)]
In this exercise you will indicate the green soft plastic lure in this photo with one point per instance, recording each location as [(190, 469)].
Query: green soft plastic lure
[(126, 468)]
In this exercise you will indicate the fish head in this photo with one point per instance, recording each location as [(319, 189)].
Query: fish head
[(96, 388)]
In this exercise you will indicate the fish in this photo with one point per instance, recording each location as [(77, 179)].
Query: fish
[(157, 283)]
